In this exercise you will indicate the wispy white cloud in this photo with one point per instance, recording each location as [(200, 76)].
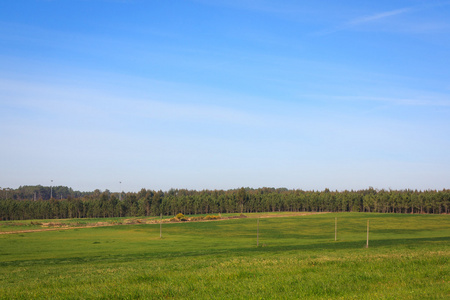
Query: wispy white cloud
[(391, 14), (57, 99), (379, 16), (365, 19), (424, 100)]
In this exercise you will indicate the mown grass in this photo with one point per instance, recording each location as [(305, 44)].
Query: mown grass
[(36, 225), (407, 258)]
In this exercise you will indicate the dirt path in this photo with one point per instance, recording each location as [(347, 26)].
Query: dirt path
[(105, 224), (52, 229)]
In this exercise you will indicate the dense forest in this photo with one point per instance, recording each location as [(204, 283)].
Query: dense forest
[(39, 202)]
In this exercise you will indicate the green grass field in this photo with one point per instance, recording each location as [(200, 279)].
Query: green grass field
[(407, 258)]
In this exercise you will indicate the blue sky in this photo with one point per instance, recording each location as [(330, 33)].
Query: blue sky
[(222, 94)]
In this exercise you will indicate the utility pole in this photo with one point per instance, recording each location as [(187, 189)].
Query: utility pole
[(51, 189)]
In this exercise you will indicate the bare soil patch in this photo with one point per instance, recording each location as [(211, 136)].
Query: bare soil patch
[(51, 226)]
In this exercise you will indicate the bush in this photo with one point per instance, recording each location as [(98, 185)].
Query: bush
[(179, 216)]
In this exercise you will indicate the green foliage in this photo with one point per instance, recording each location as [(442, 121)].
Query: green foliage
[(20, 206), (179, 216)]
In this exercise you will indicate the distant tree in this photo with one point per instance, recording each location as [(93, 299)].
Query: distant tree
[(242, 198)]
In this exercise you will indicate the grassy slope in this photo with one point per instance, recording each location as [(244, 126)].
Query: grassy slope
[(408, 258)]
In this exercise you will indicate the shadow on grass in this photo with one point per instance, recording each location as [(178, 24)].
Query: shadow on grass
[(227, 252)]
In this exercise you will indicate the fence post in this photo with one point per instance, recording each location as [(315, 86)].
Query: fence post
[(160, 227), (335, 229), (257, 233), (367, 244)]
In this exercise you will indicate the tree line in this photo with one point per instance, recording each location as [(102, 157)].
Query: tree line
[(34, 202)]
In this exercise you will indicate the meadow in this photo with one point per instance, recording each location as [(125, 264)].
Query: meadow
[(297, 257)]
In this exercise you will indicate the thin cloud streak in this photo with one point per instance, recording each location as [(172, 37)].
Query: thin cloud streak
[(379, 16), (88, 103), (360, 21), (427, 100)]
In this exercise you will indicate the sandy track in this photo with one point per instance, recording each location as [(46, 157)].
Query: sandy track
[(105, 224)]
